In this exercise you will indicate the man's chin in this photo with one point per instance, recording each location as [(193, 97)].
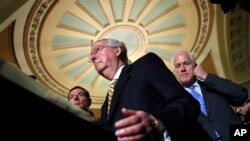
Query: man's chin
[(185, 81), (100, 71)]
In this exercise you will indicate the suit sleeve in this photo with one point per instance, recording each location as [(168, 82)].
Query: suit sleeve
[(234, 93)]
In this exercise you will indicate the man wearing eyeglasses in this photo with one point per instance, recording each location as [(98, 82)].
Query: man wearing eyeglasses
[(148, 103)]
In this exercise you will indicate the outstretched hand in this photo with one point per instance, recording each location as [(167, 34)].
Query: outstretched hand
[(135, 126)]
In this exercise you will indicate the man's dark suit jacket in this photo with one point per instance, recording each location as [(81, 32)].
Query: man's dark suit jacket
[(219, 94), (149, 85)]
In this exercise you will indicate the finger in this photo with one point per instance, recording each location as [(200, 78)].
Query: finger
[(128, 112), (131, 131), (238, 109), (131, 138), (128, 121)]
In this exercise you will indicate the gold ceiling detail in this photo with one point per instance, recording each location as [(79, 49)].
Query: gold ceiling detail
[(206, 22), (58, 35)]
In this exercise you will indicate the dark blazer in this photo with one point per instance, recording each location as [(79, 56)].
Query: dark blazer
[(219, 94), (149, 85)]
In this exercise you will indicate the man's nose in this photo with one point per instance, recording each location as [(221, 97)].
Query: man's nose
[(92, 58), (182, 67), (75, 98)]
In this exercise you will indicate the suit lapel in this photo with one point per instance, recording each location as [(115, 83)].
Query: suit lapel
[(124, 76), (104, 108)]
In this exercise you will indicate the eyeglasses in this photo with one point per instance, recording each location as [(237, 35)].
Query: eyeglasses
[(96, 50)]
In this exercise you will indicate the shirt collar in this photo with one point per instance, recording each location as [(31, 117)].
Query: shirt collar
[(195, 84), (118, 73)]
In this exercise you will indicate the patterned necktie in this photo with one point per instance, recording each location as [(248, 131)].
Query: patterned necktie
[(198, 97), (110, 93)]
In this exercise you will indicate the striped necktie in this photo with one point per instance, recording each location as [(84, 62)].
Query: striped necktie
[(110, 93), (198, 97)]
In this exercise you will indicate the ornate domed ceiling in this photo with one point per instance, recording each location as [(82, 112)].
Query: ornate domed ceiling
[(58, 36)]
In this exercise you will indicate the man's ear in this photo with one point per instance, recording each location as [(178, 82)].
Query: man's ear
[(118, 51), (90, 102)]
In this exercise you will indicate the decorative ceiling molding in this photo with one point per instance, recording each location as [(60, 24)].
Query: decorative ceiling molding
[(238, 46), (58, 35), (11, 29), (31, 42), (206, 25)]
